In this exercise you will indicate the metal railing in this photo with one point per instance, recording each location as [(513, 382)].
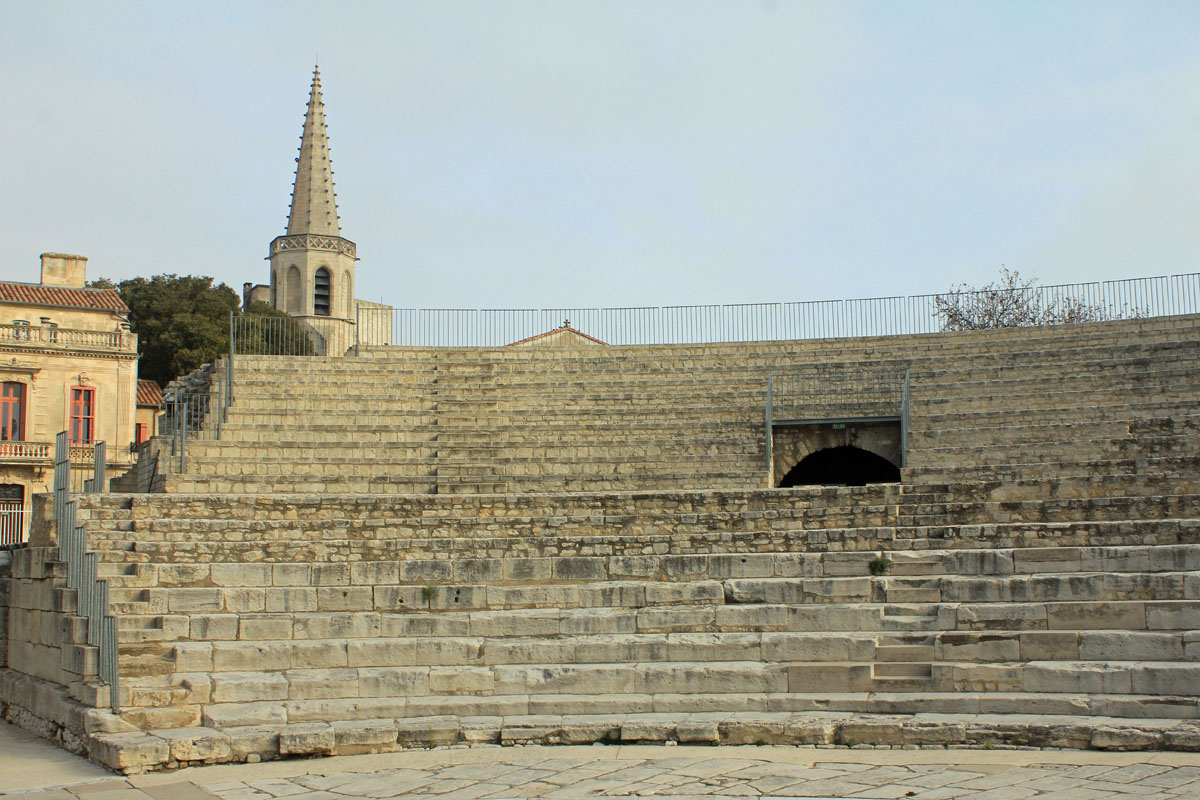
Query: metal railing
[(817, 319), (837, 394), (91, 591), (14, 522), (196, 415)]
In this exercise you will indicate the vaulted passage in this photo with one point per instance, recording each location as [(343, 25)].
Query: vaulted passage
[(841, 466)]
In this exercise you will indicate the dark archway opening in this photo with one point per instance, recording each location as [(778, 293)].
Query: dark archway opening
[(841, 466)]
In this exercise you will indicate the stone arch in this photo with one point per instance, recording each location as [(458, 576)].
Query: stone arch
[(845, 465), (295, 290)]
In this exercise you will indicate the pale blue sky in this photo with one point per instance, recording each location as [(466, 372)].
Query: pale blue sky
[(512, 154)]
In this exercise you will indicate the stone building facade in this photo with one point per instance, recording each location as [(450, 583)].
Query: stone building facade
[(68, 361)]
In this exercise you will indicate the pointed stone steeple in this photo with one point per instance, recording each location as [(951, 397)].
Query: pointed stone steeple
[(314, 205), (312, 266)]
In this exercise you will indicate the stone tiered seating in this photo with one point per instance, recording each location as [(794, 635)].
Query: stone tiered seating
[(419, 546)]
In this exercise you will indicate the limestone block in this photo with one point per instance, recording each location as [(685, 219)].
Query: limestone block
[(617, 594), (236, 715), (1003, 617), (177, 716), (690, 592), (532, 730), (565, 679), (1129, 646), (316, 684), (842, 590), (597, 621), (467, 705), (318, 654), (675, 619), (361, 625), (1019, 703), (525, 569), (476, 570), (522, 622), (591, 704), (183, 601), (978, 647), (250, 656), (533, 596), (648, 728), (1106, 737), (241, 574), (976, 678), (184, 575), (461, 680), (338, 709), (692, 703), (829, 677), (816, 647), (125, 752), (291, 598), (729, 676), (751, 618), (872, 730), (621, 648), (427, 732), (1049, 645), (265, 626), (370, 573), (846, 564), (447, 650), (239, 687), (1094, 678), (693, 731), (393, 681), (364, 736), (213, 627), (381, 652), (1065, 735), (749, 565), (1172, 616), (1184, 737), (714, 647), (291, 575), (1166, 679), (581, 568), (193, 656), (345, 598), (425, 571), (330, 574), (764, 590), (927, 729), (307, 739), (399, 598), (626, 567), (1143, 707), (811, 730), (1096, 616), (196, 744), (754, 729), (459, 598), (100, 720), (480, 730), (589, 729), (797, 565), (425, 625), (835, 618)]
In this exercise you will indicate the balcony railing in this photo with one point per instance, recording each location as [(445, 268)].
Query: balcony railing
[(30, 452), (67, 338)]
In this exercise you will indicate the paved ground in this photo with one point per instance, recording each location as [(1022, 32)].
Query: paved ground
[(35, 770)]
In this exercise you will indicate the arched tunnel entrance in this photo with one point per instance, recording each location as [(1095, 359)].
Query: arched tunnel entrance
[(841, 466)]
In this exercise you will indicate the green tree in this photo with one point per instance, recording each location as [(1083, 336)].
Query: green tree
[(268, 331), (181, 322)]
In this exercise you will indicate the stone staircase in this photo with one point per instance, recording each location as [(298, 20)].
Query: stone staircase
[(515, 545)]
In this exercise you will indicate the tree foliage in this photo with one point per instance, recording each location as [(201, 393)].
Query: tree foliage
[(268, 331), (182, 321), (1010, 302)]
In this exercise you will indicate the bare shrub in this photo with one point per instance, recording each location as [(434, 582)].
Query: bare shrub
[(1011, 302)]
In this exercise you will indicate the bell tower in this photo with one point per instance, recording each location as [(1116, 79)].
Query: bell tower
[(312, 265)]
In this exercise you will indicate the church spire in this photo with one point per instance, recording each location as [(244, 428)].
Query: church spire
[(314, 206)]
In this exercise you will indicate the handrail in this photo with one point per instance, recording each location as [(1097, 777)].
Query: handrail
[(54, 336)]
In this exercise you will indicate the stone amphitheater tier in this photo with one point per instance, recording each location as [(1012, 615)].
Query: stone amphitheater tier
[(421, 546)]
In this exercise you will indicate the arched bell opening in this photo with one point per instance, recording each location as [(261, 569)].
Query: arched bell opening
[(841, 466)]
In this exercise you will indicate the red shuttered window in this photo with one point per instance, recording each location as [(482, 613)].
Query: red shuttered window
[(83, 415), (12, 412)]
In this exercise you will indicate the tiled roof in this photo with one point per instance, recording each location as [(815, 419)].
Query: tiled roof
[(37, 294), (149, 393)]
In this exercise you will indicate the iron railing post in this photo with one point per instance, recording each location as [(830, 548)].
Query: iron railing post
[(905, 400), (770, 432)]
